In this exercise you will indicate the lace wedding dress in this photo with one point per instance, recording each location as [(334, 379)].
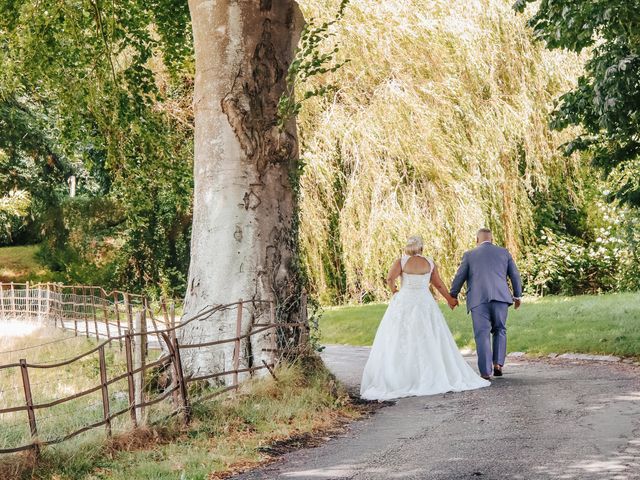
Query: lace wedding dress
[(414, 352)]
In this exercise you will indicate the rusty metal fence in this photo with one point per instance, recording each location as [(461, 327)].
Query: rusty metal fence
[(127, 380)]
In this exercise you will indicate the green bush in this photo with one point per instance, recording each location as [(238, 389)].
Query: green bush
[(569, 265)]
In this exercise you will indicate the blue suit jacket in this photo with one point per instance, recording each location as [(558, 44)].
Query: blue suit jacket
[(486, 269)]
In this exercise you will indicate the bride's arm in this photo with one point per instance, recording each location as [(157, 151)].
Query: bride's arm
[(394, 273), (437, 282)]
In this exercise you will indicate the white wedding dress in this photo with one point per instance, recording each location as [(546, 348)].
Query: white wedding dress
[(414, 352)]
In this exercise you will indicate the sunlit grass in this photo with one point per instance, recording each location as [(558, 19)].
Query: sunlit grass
[(225, 434), (20, 264), (47, 345), (603, 324)]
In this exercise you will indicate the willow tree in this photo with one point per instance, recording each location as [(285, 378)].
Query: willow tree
[(244, 239)]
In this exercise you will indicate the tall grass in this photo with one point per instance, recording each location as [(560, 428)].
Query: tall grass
[(438, 127), (47, 345), (226, 434)]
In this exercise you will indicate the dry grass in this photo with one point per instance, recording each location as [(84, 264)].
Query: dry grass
[(52, 346), (226, 435), (439, 127), (19, 264)]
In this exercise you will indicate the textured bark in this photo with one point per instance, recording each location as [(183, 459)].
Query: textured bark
[(244, 239)]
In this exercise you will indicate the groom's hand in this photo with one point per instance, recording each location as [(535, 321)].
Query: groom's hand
[(516, 303), (453, 303)]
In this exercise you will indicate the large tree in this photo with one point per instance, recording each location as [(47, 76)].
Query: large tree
[(606, 101), (244, 236)]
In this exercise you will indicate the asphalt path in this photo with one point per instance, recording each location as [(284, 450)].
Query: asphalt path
[(545, 419)]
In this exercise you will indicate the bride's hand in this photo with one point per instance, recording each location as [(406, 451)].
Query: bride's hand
[(453, 302)]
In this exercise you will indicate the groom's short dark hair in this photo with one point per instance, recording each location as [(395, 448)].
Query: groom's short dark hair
[(484, 234)]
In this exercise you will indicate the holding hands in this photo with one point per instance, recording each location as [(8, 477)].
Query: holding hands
[(453, 302)]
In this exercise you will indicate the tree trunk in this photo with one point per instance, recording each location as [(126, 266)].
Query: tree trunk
[(244, 239)]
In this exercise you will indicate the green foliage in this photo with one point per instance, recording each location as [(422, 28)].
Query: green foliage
[(312, 58), (606, 100), (108, 85), (597, 324), (13, 208), (32, 173), (21, 264), (569, 265)]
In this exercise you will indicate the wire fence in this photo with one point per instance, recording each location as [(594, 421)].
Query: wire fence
[(85, 310), (116, 385)]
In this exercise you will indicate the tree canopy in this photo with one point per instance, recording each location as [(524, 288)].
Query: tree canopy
[(606, 100), (437, 124), (101, 90)]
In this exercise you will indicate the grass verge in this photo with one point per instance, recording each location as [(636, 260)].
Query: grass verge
[(226, 435), (45, 345), (20, 264), (602, 324)]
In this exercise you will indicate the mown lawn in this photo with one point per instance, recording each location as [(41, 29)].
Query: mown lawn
[(19, 264), (603, 324)]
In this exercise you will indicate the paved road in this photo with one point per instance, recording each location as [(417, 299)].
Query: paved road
[(552, 419)]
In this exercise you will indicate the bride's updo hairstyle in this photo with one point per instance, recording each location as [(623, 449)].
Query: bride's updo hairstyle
[(414, 245)]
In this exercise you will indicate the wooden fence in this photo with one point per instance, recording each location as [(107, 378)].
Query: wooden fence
[(85, 310), (67, 306)]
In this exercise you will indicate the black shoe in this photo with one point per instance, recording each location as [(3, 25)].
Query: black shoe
[(497, 372)]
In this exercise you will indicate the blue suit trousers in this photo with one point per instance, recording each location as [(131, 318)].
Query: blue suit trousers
[(490, 320)]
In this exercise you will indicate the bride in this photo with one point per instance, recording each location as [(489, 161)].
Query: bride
[(413, 352)]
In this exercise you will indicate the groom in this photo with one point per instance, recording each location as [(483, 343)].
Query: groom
[(486, 269)]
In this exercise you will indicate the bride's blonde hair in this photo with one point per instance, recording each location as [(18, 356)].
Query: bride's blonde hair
[(414, 245)]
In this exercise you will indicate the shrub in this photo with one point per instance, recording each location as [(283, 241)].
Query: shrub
[(568, 265)]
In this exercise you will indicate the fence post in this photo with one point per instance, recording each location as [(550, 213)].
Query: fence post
[(128, 310), (2, 315), (73, 310), (105, 392), (179, 375), (47, 309), (50, 300), (38, 301), (60, 299), (83, 305), (147, 310), (163, 307), (115, 305), (139, 343), (105, 312), (132, 388), (236, 349), (29, 400), (13, 301), (93, 312), (27, 297), (176, 377), (146, 313), (57, 301)]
